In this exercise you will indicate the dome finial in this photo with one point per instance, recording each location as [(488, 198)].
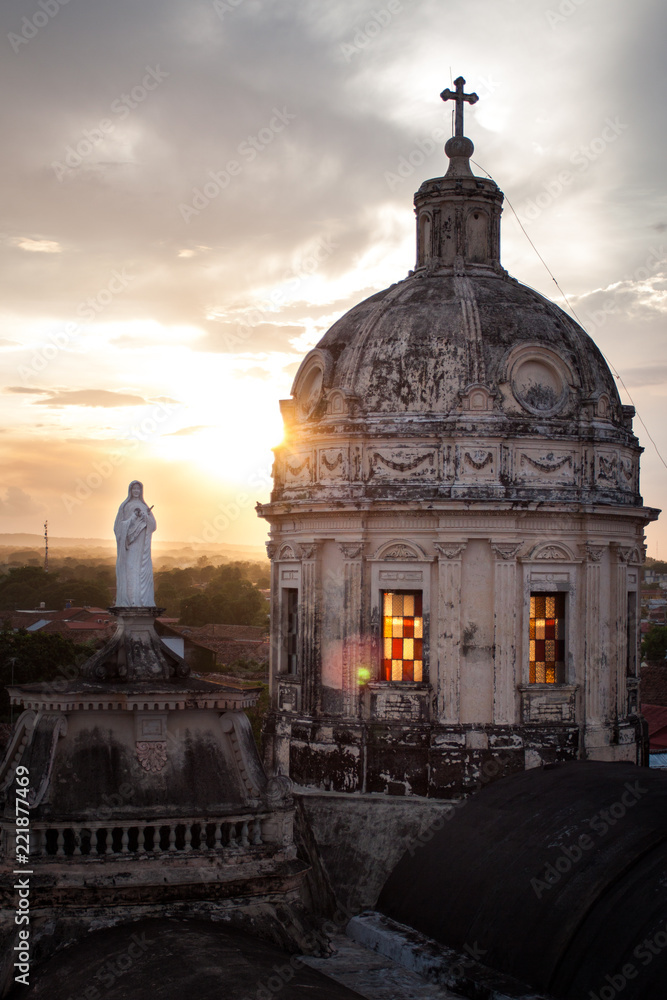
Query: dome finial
[(459, 148), (458, 96)]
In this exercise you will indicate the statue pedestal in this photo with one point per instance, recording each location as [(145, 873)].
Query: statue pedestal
[(136, 652)]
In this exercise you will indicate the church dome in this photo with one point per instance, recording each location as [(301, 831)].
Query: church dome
[(457, 382), (418, 348)]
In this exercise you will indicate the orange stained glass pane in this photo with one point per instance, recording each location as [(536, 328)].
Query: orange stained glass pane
[(418, 670), (387, 627), (409, 605), (532, 650), (386, 669), (397, 649), (531, 629), (397, 605), (539, 628), (397, 670), (408, 649), (532, 673), (419, 628), (387, 605), (387, 649), (408, 670), (550, 607), (397, 628), (551, 675), (550, 650), (419, 643)]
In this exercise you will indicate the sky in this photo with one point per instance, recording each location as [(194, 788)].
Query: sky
[(193, 192)]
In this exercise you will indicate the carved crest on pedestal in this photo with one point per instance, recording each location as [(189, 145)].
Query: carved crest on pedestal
[(351, 550), (152, 754), (451, 550), (505, 550)]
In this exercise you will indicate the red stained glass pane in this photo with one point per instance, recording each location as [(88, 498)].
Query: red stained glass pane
[(546, 638), (402, 632)]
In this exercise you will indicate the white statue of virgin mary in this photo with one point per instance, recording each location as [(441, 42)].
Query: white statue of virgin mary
[(133, 528)]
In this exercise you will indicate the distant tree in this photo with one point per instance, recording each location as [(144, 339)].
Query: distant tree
[(654, 643), (28, 586), (28, 657), (657, 565), (228, 599)]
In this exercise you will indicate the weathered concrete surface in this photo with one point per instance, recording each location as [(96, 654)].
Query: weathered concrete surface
[(463, 972), (177, 960), (557, 873), (360, 838), (374, 975)]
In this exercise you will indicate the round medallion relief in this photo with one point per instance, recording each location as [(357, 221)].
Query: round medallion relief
[(310, 391), (538, 386)]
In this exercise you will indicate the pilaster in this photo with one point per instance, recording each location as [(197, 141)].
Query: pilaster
[(594, 702), (448, 640), (352, 624), (504, 631), (623, 556), (310, 617)]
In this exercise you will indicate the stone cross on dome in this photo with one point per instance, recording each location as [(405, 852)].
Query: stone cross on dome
[(458, 96)]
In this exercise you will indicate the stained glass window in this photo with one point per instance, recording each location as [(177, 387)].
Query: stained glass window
[(547, 638), (290, 630), (402, 635)]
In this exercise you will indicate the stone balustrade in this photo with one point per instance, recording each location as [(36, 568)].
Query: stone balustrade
[(149, 837)]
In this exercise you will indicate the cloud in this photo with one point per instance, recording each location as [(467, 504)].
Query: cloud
[(17, 502), (90, 397), (243, 338), (184, 431), (645, 375), (24, 389), (36, 246)]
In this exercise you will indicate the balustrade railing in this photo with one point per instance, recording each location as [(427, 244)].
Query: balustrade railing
[(151, 837)]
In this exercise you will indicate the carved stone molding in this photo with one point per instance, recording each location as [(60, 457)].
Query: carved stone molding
[(287, 552), (551, 552), (271, 549), (547, 464), (593, 553), (400, 552), (351, 550), (451, 550), (479, 458), (309, 550), (152, 754), (505, 550), (625, 553)]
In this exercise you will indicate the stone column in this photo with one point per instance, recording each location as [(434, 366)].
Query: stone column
[(504, 631), (594, 701), (274, 647), (620, 637), (448, 639), (352, 624), (310, 620)]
